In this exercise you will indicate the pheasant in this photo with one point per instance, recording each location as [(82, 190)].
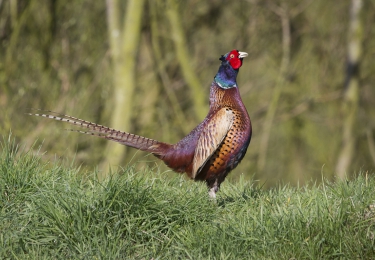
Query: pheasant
[(213, 148)]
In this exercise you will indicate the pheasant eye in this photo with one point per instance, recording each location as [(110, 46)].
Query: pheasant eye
[(231, 56)]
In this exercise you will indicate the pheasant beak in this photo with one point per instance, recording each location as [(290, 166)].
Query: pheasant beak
[(242, 54)]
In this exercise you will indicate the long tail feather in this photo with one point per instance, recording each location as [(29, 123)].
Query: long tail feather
[(132, 140)]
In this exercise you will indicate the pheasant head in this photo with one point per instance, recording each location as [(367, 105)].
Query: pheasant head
[(230, 65)]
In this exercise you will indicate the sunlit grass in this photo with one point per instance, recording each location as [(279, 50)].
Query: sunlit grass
[(51, 211)]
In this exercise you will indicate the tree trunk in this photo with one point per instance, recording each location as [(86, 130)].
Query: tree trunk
[(285, 14), (351, 87), (197, 92), (124, 48), (282, 12), (160, 67)]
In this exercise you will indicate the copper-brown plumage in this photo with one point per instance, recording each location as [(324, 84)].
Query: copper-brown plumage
[(212, 149)]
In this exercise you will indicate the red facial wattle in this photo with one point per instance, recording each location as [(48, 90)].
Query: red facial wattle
[(233, 59)]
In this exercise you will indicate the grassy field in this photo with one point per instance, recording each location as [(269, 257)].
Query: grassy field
[(48, 211)]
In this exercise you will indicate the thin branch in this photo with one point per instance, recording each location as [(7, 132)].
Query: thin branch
[(300, 8), (305, 105)]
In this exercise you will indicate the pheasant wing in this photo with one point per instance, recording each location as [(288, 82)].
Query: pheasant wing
[(211, 137)]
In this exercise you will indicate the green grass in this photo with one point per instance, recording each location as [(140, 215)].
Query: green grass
[(48, 211)]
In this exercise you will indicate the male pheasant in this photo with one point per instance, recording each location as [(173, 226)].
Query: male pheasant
[(213, 148)]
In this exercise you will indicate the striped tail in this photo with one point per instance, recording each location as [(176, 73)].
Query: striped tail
[(132, 140)]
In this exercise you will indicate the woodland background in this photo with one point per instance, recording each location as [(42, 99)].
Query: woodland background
[(145, 66)]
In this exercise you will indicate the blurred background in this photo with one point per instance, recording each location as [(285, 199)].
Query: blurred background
[(145, 66)]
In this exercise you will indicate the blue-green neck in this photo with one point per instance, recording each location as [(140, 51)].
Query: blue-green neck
[(226, 76)]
